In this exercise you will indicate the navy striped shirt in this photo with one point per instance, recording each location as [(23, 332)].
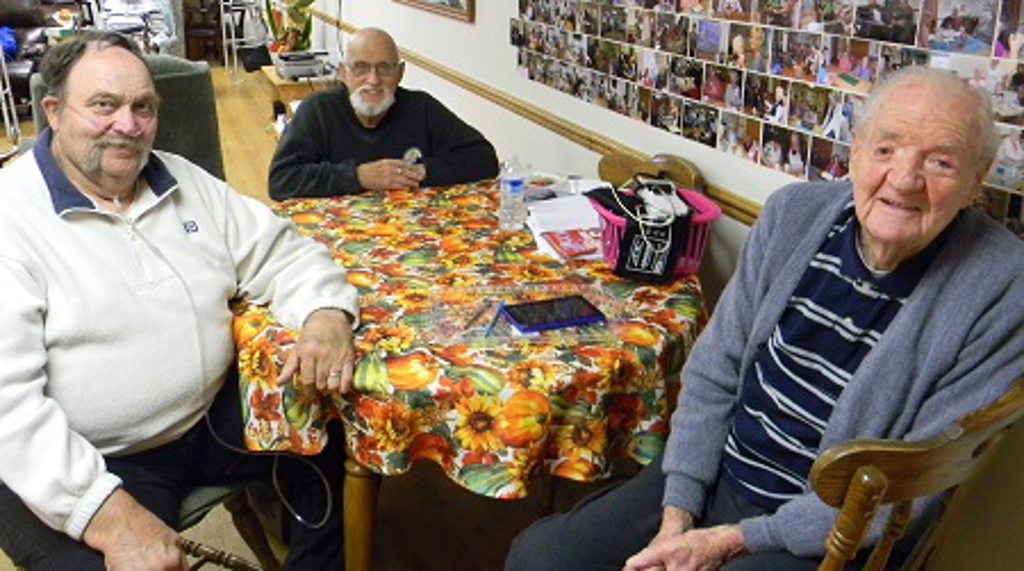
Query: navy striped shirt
[(835, 316)]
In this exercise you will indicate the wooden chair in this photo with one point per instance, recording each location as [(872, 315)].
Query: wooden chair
[(859, 476), (617, 168)]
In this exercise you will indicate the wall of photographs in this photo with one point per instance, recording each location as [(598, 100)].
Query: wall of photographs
[(778, 82)]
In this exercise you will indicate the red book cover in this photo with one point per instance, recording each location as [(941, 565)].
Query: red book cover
[(574, 243)]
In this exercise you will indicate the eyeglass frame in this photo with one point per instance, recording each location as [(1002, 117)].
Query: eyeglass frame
[(384, 69)]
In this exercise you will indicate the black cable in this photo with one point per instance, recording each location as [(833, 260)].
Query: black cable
[(274, 479)]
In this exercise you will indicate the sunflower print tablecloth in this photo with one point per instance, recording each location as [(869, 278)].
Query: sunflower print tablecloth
[(490, 410)]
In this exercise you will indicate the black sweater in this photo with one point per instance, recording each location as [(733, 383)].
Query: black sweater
[(325, 142)]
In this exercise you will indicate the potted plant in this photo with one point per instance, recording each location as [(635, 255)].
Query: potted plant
[(289, 23)]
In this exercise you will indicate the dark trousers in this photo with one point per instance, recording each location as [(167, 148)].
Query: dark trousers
[(613, 524), (159, 478)]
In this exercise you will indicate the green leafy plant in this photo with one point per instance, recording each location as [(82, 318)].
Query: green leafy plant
[(289, 24)]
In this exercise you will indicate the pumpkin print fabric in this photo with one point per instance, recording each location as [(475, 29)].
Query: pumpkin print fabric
[(489, 410)]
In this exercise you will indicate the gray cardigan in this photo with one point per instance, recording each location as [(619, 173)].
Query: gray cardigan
[(957, 344)]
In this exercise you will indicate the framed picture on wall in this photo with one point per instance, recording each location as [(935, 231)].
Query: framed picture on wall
[(458, 9)]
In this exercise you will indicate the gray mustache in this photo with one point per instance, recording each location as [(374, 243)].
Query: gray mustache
[(126, 144)]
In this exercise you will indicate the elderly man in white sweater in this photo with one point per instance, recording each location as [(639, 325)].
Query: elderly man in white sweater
[(117, 264)]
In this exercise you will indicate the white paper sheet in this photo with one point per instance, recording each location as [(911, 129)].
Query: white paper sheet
[(557, 214)]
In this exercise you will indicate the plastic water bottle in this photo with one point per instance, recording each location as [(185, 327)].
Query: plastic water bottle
[(512, 213)]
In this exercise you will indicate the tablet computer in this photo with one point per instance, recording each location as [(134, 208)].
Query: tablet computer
[(553, 313)]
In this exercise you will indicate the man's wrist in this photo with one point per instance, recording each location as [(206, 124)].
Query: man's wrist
[(326, 311), (737, 547), (675, 520)]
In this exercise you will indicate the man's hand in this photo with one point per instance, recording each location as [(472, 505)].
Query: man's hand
[(694, 550), (323, 355), (390, 174), (130, 537)]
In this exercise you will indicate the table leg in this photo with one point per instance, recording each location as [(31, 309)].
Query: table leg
[(361, 487)]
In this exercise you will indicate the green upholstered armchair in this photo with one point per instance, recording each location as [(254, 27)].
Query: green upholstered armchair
[(188, 110)]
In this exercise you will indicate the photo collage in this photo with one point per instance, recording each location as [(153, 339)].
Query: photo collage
[(778, 82)]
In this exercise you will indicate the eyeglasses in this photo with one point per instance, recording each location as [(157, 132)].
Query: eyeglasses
[(383, 69)]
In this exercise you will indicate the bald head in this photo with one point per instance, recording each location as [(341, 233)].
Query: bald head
[(371, 40)]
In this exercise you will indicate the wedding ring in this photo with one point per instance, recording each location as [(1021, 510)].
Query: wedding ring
[(334, 374)]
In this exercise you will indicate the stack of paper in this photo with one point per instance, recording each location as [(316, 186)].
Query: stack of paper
[(559, 215)]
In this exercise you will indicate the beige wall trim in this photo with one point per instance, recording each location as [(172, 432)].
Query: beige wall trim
[(733, 205)]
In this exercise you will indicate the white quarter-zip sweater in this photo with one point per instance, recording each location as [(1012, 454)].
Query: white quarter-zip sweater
[(115, 331)]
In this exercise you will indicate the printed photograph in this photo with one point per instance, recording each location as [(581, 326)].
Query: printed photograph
[(695, 7), (838, 18), (829, 160), (781, 13), (723, 87), (1008, 169), (626, 66), (837, 124), (893, 58), (767, 97), (601, 91), (653, 69), (672, 32), (1010, 31), (667, 112), (517, 33), (738, 10), (740, 136), (621, 95), (686, 77), (748, 46), (808, 107), (564, 15), (961, 27), (888, 20), (796, 55), (700, 123), (590, 18), (613, 23), (710, 40), (640, 27), (785, 150), (643, 104), (849, 64)]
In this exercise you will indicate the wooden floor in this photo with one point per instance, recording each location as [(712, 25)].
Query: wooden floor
[(244, 114)]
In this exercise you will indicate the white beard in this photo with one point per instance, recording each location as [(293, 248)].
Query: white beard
[(367, 110)]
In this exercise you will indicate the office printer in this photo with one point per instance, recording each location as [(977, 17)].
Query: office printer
[(293, 65)]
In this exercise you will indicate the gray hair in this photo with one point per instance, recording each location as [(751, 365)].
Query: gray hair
[(61, 58), (948, 82)]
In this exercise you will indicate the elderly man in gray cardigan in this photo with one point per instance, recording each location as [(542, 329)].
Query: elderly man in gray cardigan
[(883, 307)]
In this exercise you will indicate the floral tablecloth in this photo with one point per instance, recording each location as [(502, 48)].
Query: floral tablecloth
[(489, 410)]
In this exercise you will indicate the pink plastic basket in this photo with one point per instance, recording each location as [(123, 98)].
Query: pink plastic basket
[(705, 211)]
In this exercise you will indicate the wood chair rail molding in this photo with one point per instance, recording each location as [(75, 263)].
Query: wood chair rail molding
[(733, 205)]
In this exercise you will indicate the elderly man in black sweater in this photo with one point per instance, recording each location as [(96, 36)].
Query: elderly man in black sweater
[(373, 135)]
